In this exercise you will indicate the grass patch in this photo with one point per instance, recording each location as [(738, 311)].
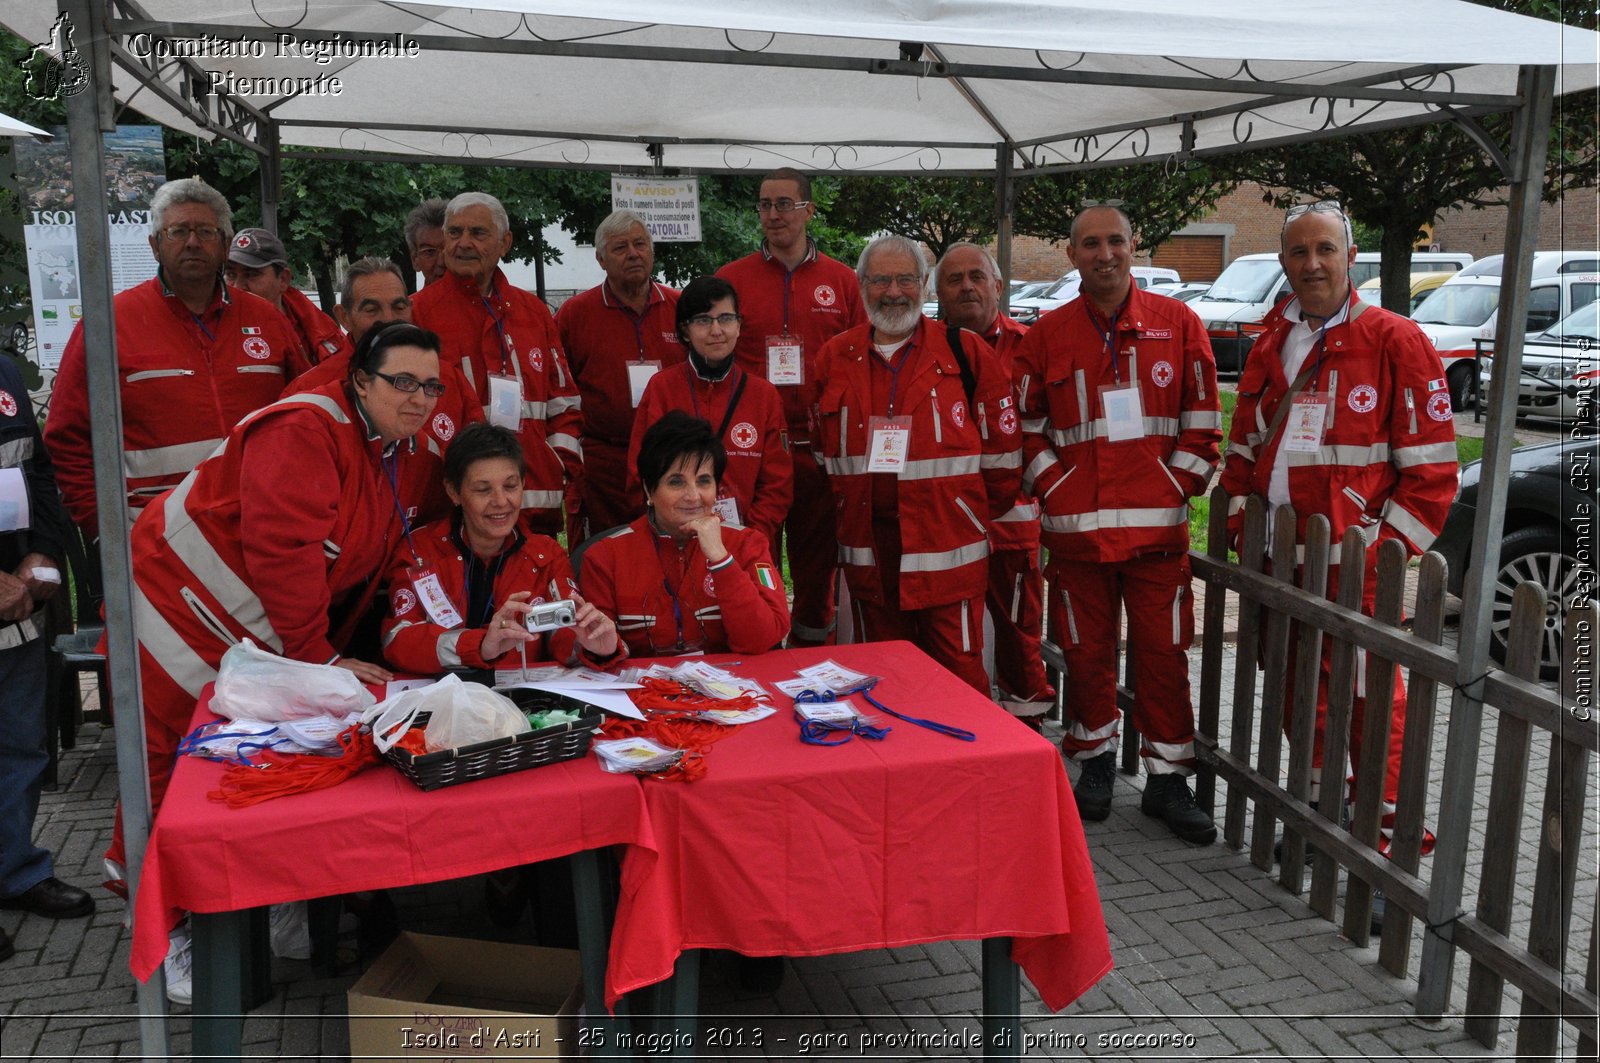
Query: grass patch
[(1200, 508), (1469, 448)]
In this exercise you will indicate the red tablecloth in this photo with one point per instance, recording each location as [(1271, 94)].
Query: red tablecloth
[(373, 831), (791, 849)]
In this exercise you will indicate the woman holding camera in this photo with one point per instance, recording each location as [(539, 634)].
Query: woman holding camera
[(461, 588), (678, 580)]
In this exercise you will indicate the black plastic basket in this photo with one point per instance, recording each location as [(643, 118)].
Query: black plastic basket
[(502, 756)]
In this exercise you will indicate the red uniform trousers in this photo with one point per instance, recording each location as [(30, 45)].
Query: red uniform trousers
[(812, 538), (1154, 588), (1016, 608)]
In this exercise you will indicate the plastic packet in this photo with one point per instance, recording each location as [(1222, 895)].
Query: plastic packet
[(623, 756), (253, 684)]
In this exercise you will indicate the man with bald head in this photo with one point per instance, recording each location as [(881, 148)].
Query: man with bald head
[(507, 345), (1120, 428), (968, 284), (1344, 411)]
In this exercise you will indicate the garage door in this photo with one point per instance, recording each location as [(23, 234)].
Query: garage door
[(1196, 258)]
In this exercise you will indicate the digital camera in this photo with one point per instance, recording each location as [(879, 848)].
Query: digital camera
[(552, 615)]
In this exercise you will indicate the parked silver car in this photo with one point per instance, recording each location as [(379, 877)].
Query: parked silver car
[(1560, 369)]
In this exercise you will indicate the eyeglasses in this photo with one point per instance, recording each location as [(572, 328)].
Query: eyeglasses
[(179, 234), (780, 206), (409, 385), (899, 280), (707, 320), (1321, 206)]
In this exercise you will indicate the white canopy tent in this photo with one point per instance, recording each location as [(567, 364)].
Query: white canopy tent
[(997, 87)]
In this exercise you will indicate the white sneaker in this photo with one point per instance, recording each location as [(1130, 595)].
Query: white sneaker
[(179, 965), (291, 930)]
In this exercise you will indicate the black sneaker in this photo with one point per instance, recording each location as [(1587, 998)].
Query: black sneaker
[(1093, 792), (1167, 797)]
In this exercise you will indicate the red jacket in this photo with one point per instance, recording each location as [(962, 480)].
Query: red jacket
[(760, 473), (1112, 501), (456, 408), (962, 463), (601, 335), (651, 585), (512, 333), (1018, 527), (818, 300), (186, 381), (1388, 463), (279, 537), (414, 643), (319, 336)]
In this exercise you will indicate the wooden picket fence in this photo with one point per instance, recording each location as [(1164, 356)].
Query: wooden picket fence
[(1281, 602)]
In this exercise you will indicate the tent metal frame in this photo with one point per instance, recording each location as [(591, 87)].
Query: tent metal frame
[(256, 129)]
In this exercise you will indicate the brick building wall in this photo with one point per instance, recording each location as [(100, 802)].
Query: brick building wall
[(1572, 223)]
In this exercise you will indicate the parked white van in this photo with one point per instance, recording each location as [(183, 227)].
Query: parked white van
[(1065, 290), (1253, 284), (1465, 308)]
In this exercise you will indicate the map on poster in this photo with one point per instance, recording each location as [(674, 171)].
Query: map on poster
[(135, 168), (670, 207)]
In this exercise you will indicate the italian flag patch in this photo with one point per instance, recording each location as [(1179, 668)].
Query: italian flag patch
[(249, 330), (767, 576)]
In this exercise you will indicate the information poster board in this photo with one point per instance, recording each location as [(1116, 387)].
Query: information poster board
[(135, 168), (670, 207)]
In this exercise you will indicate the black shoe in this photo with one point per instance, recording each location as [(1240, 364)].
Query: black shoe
[(7, 949), (1093, 792), (1380, 904), (1277, 853), (1167, 797), (52, 899)]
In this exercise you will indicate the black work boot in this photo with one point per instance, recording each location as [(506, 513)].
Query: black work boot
[(1167, 797), (1093, 792)]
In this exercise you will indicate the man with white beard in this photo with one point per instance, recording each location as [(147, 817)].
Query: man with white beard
[(917, 419)]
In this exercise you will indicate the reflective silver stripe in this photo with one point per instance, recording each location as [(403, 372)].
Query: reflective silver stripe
[(449, 656), (324, 403), (1236, 504), (433, 446), (857, 555), (1199, 382), (1041, 461), (1023, 387), (710, 612), (14, 635), (845, 466), (1105, 519), (16, 452), (1072, 620), (938, 423), (945, 560), (561, 404), (1182, 459), (1350, 493), (331, 549), (1159, 427), (156, 374), (563, 441), (1198, 419), (533, 410), (977, 525), (1083, 394), (541, 500), (1244, 450), (1035, 424), (1360, 457), (1022, 511), (176, 460), (1058, 483), (1011, 459), (1171, 751), (173, 653), (1173, 480), (966, 623), (190, 546), (1253, 438), (1407, 524), (1177, 613), (1104, 733), (935, 468), (844, 424), (1424, 454), (401, 626), (276, 369)]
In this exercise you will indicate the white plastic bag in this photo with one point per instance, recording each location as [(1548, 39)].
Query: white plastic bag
[(461, 714), (257, 685)]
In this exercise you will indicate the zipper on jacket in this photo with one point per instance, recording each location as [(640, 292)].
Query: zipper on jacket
[(1333, 395), (983, 424), (278, 369), (1072, 621), (844, 430), (1360, 502), (1173, 479), (1177, 613), (155, 374), (1199, 382), (938, 424), (206, 616), (1411, 408), (976, 523), (1045, 497)]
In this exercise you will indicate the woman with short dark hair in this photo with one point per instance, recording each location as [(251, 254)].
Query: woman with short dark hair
[(461, 588), (678, 580)]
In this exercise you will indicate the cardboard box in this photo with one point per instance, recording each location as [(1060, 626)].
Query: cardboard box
[(440, 998)]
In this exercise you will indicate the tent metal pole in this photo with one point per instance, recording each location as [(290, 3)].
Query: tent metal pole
[(88, 115), (1530, 141), (271, 175), (1003, 188)]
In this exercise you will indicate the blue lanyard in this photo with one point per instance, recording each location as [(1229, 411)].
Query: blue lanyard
[(394, 493), (500, 330), (904, 354), (193, 743), (932, 725), (1109, 338), (815, 732), (200, 323)]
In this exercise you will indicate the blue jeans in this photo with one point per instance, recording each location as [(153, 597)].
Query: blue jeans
[(23, 759)]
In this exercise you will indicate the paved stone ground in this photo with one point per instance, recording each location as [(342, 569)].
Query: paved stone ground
[(1213, 960)]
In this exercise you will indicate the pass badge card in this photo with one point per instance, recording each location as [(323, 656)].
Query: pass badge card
[(887, 443), (727, 510), (1306, 425), (786, 362), (430, 592), (639, 374), (1124, 411), (505, 402)]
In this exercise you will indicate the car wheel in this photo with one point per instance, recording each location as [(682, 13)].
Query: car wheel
[(1535, 555), (1462, 393)]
